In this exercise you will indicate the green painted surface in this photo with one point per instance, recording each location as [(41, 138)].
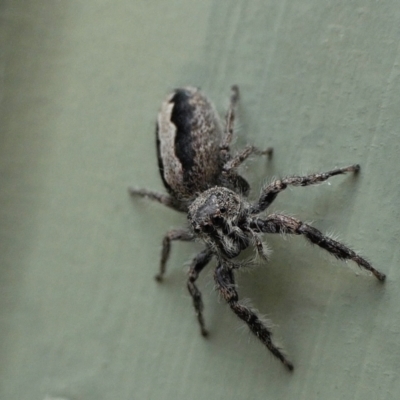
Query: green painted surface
[(80, 316)]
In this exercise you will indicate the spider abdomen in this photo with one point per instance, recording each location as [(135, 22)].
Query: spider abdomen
[(189, 134)]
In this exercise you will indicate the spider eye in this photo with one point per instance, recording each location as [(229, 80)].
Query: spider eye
[(207, 228), (218, 221), (222, 210)]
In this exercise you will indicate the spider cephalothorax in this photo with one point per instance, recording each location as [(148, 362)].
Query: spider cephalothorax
[(215, 217)]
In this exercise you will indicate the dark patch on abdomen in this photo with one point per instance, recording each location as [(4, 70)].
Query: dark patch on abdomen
[(182, 118)]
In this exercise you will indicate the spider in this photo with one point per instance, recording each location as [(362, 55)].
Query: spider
[(229, 224), (200, 175)]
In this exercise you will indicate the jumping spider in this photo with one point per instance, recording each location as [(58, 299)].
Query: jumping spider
[(200, 176)]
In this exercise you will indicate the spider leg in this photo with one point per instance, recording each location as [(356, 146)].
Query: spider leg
[(229, 121), (159, 197), (230, 176), (225, 281), (261, 251), (174, 234), (197, 265), (243, 155), (278, 223), (271, 191), (228, 135)]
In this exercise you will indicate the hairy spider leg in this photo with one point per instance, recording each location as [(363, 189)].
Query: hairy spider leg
[(164, 199), (197, 265), (225, 281), (229, 121), (279, 223), (271, 191), (173, 234), (231, 163)]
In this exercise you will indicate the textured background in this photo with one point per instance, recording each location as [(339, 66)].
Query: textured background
[(81, 83)]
